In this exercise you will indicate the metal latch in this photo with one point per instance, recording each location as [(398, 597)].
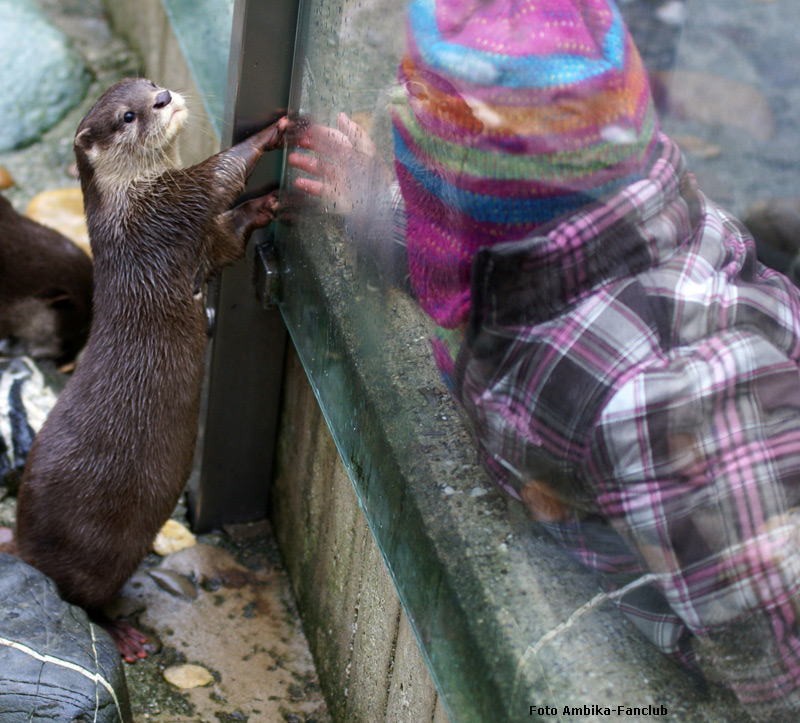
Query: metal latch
[(266, 275)]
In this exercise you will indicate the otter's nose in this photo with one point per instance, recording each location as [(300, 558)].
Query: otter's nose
[(162, 99)]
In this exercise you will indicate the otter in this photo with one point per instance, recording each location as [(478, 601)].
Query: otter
[(111, 460), (45, 289)]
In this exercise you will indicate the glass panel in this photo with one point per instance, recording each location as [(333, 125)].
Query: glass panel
[(492, 249), (203, 29)]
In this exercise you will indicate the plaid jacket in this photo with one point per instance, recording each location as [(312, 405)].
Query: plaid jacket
[(640, 364)]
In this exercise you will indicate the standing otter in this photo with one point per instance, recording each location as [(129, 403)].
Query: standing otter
[(45, 289), (110, 462)]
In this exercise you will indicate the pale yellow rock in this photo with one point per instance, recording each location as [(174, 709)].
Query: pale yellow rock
[(698, 146), (173, 537), (62, 209), (6, 181), (713, 100), (188, 676)]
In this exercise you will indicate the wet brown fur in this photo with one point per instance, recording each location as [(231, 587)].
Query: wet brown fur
[(45, 289), (109, 464)]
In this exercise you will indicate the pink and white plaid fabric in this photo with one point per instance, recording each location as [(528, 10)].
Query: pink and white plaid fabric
[(638, 361)]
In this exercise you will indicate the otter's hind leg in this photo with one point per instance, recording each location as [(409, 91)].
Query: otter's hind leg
[(132, 644)]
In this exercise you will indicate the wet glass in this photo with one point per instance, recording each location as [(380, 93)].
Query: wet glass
[(565, 391), (203, 30)]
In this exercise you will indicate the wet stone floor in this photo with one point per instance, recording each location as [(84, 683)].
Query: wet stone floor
[(224, 605), (221, 611)]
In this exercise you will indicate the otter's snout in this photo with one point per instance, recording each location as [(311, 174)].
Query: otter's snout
[(162, 99)]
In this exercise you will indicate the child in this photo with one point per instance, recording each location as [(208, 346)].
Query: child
[(629, 369)]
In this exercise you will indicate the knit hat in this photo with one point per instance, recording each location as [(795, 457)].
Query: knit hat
[(510, 114)]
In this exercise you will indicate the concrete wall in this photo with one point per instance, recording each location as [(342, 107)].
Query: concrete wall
[(367, 657)]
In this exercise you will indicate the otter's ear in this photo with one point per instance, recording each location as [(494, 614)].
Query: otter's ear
[(85, 139)]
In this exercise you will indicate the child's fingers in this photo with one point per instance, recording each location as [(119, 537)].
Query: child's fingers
[(356, 135), (309, 164), (349, 128), (332, 143), (303, 162), (310, 186)]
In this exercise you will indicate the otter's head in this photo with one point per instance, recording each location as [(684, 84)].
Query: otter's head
[(129, 135)]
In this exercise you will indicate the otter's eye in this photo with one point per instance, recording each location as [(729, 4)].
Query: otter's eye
[(129, 116)]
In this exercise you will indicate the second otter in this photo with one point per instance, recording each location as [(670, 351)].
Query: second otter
[(45, 289), (110, 462)]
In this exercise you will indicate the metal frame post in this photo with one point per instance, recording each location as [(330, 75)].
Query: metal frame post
[(245, 362)]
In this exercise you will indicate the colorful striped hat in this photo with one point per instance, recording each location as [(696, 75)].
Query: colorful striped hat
[(511, 113)]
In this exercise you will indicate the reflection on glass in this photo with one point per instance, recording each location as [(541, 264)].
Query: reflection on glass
[(627, 367)]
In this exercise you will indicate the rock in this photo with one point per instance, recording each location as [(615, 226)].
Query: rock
[(656, 30), (26, 398), (698, 146), (6, 181), (775, 221), (174, 583), (672, 12), (210, 566), (43, 77), (57, 665), (188, 676), (775, 226), (173, 537), (62, 210), (243, 627), (698, 96)]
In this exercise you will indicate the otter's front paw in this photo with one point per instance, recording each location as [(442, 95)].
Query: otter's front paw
[(263, 210), (253, 214)]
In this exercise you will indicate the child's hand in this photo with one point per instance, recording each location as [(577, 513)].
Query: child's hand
[(542, 503), (346, 165)]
